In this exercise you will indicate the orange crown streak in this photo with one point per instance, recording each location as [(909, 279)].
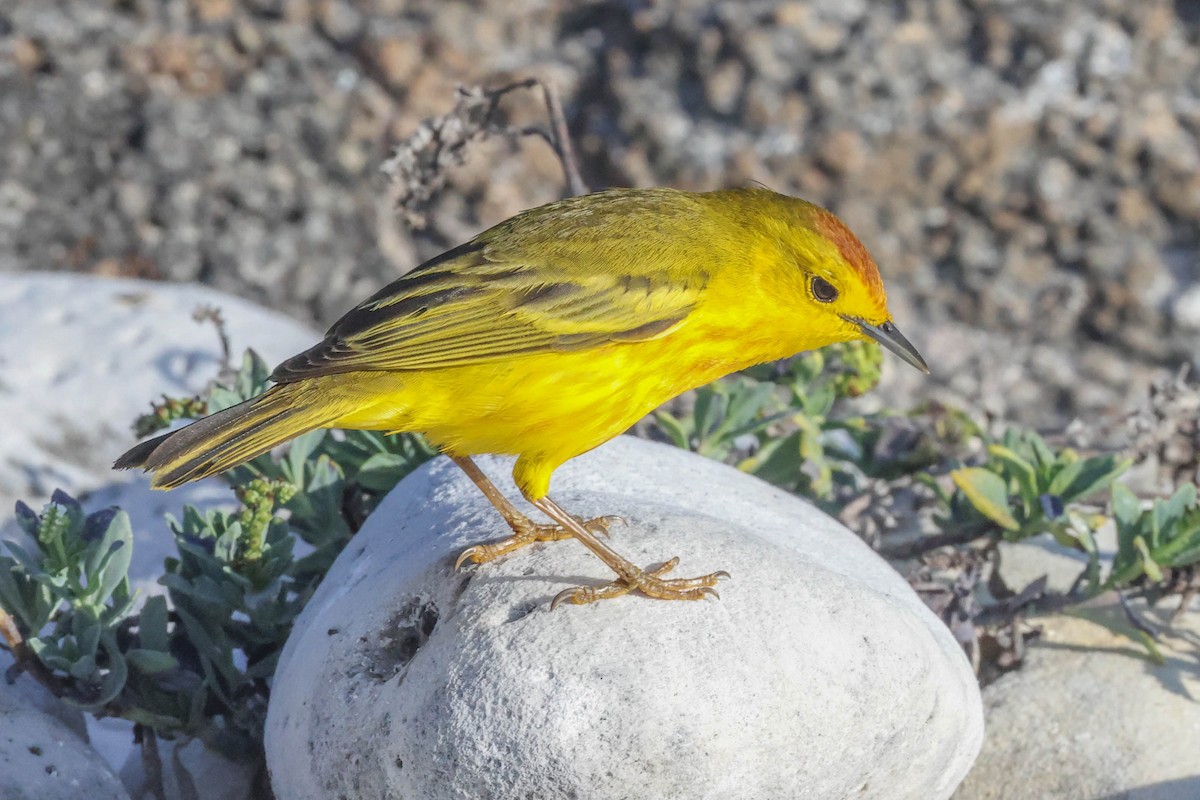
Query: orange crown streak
[(851, 249)]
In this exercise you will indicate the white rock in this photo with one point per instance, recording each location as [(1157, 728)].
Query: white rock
[(1089, 717), (84, 356), (41, 758), (819, 674)]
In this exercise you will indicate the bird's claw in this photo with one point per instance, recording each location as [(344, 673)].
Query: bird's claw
[(471, 553), (649, 583), (600, 525)]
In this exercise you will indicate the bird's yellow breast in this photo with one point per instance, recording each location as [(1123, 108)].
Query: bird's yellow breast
[(549, 407)]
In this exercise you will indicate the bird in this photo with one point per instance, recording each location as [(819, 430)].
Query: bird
[(555, 331)]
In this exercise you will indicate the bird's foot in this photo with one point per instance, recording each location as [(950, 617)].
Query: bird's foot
[(648, 582), (528, 533)]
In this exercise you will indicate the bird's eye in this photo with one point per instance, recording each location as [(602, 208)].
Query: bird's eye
[(823, 290)]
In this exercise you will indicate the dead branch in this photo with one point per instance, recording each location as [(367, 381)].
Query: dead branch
[(419, 167)]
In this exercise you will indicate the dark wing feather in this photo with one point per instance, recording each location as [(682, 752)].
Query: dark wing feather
[(501, 296)]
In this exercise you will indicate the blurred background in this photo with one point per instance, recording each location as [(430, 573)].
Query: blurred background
[(1026, 172)]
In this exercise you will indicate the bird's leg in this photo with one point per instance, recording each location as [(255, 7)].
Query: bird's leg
[(629, 576), (525, 530)]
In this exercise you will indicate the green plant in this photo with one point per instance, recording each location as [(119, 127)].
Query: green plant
[(195, 662), (71, 591), (792, 425), (797, 427), (1152, 541)]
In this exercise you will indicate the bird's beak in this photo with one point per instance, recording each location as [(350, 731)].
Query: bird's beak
[(890, 337)]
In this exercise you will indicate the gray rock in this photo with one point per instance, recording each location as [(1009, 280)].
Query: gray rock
[(818, 674), (37, 697), (90, 354), (43, 758), (1089, 717), (206, 774), (1022, 563)]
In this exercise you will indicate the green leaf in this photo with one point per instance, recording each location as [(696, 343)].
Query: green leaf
[(819, 400), (213, 648), (1181, 549), (746, 401), (1167, 512), (932, 483), (674, 428), (203, 590), (152, 624), (382, 471), (709, 409), (317, 511), (150, 661), (1088, 542), (118, 671), (778, 461), (83, 668), (121, 600), (1020, 469), (252, 377), (1095, 475), (1064, 478), (221, 398), (987, 493), (1125, 506), (86, 629), (1186, 556), (299, 453), (1041, 451), (26, 599), (1148, 566), (117, 544)]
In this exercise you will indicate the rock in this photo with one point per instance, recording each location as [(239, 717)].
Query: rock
[(93, 354), (818, 674), (1021, 563), (43, 758), (33, 694), (207, 774), (1186, 308), (1088, 715)]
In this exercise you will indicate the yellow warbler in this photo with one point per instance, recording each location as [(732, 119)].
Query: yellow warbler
[(555, 331)]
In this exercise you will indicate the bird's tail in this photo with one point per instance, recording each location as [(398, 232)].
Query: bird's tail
[(227, 438)]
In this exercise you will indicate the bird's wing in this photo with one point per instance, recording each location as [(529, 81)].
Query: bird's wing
[(483, 302)]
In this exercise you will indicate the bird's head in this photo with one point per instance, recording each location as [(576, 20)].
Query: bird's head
[(840, 284)]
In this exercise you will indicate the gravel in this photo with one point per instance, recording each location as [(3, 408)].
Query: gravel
[(1027, 171)]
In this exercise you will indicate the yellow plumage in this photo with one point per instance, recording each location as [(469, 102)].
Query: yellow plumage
[(558, 329)]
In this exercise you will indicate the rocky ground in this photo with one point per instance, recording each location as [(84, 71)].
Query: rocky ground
[(1025, 173)]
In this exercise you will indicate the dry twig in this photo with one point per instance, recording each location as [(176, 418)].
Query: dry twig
[(418, 168), (206, 313)]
